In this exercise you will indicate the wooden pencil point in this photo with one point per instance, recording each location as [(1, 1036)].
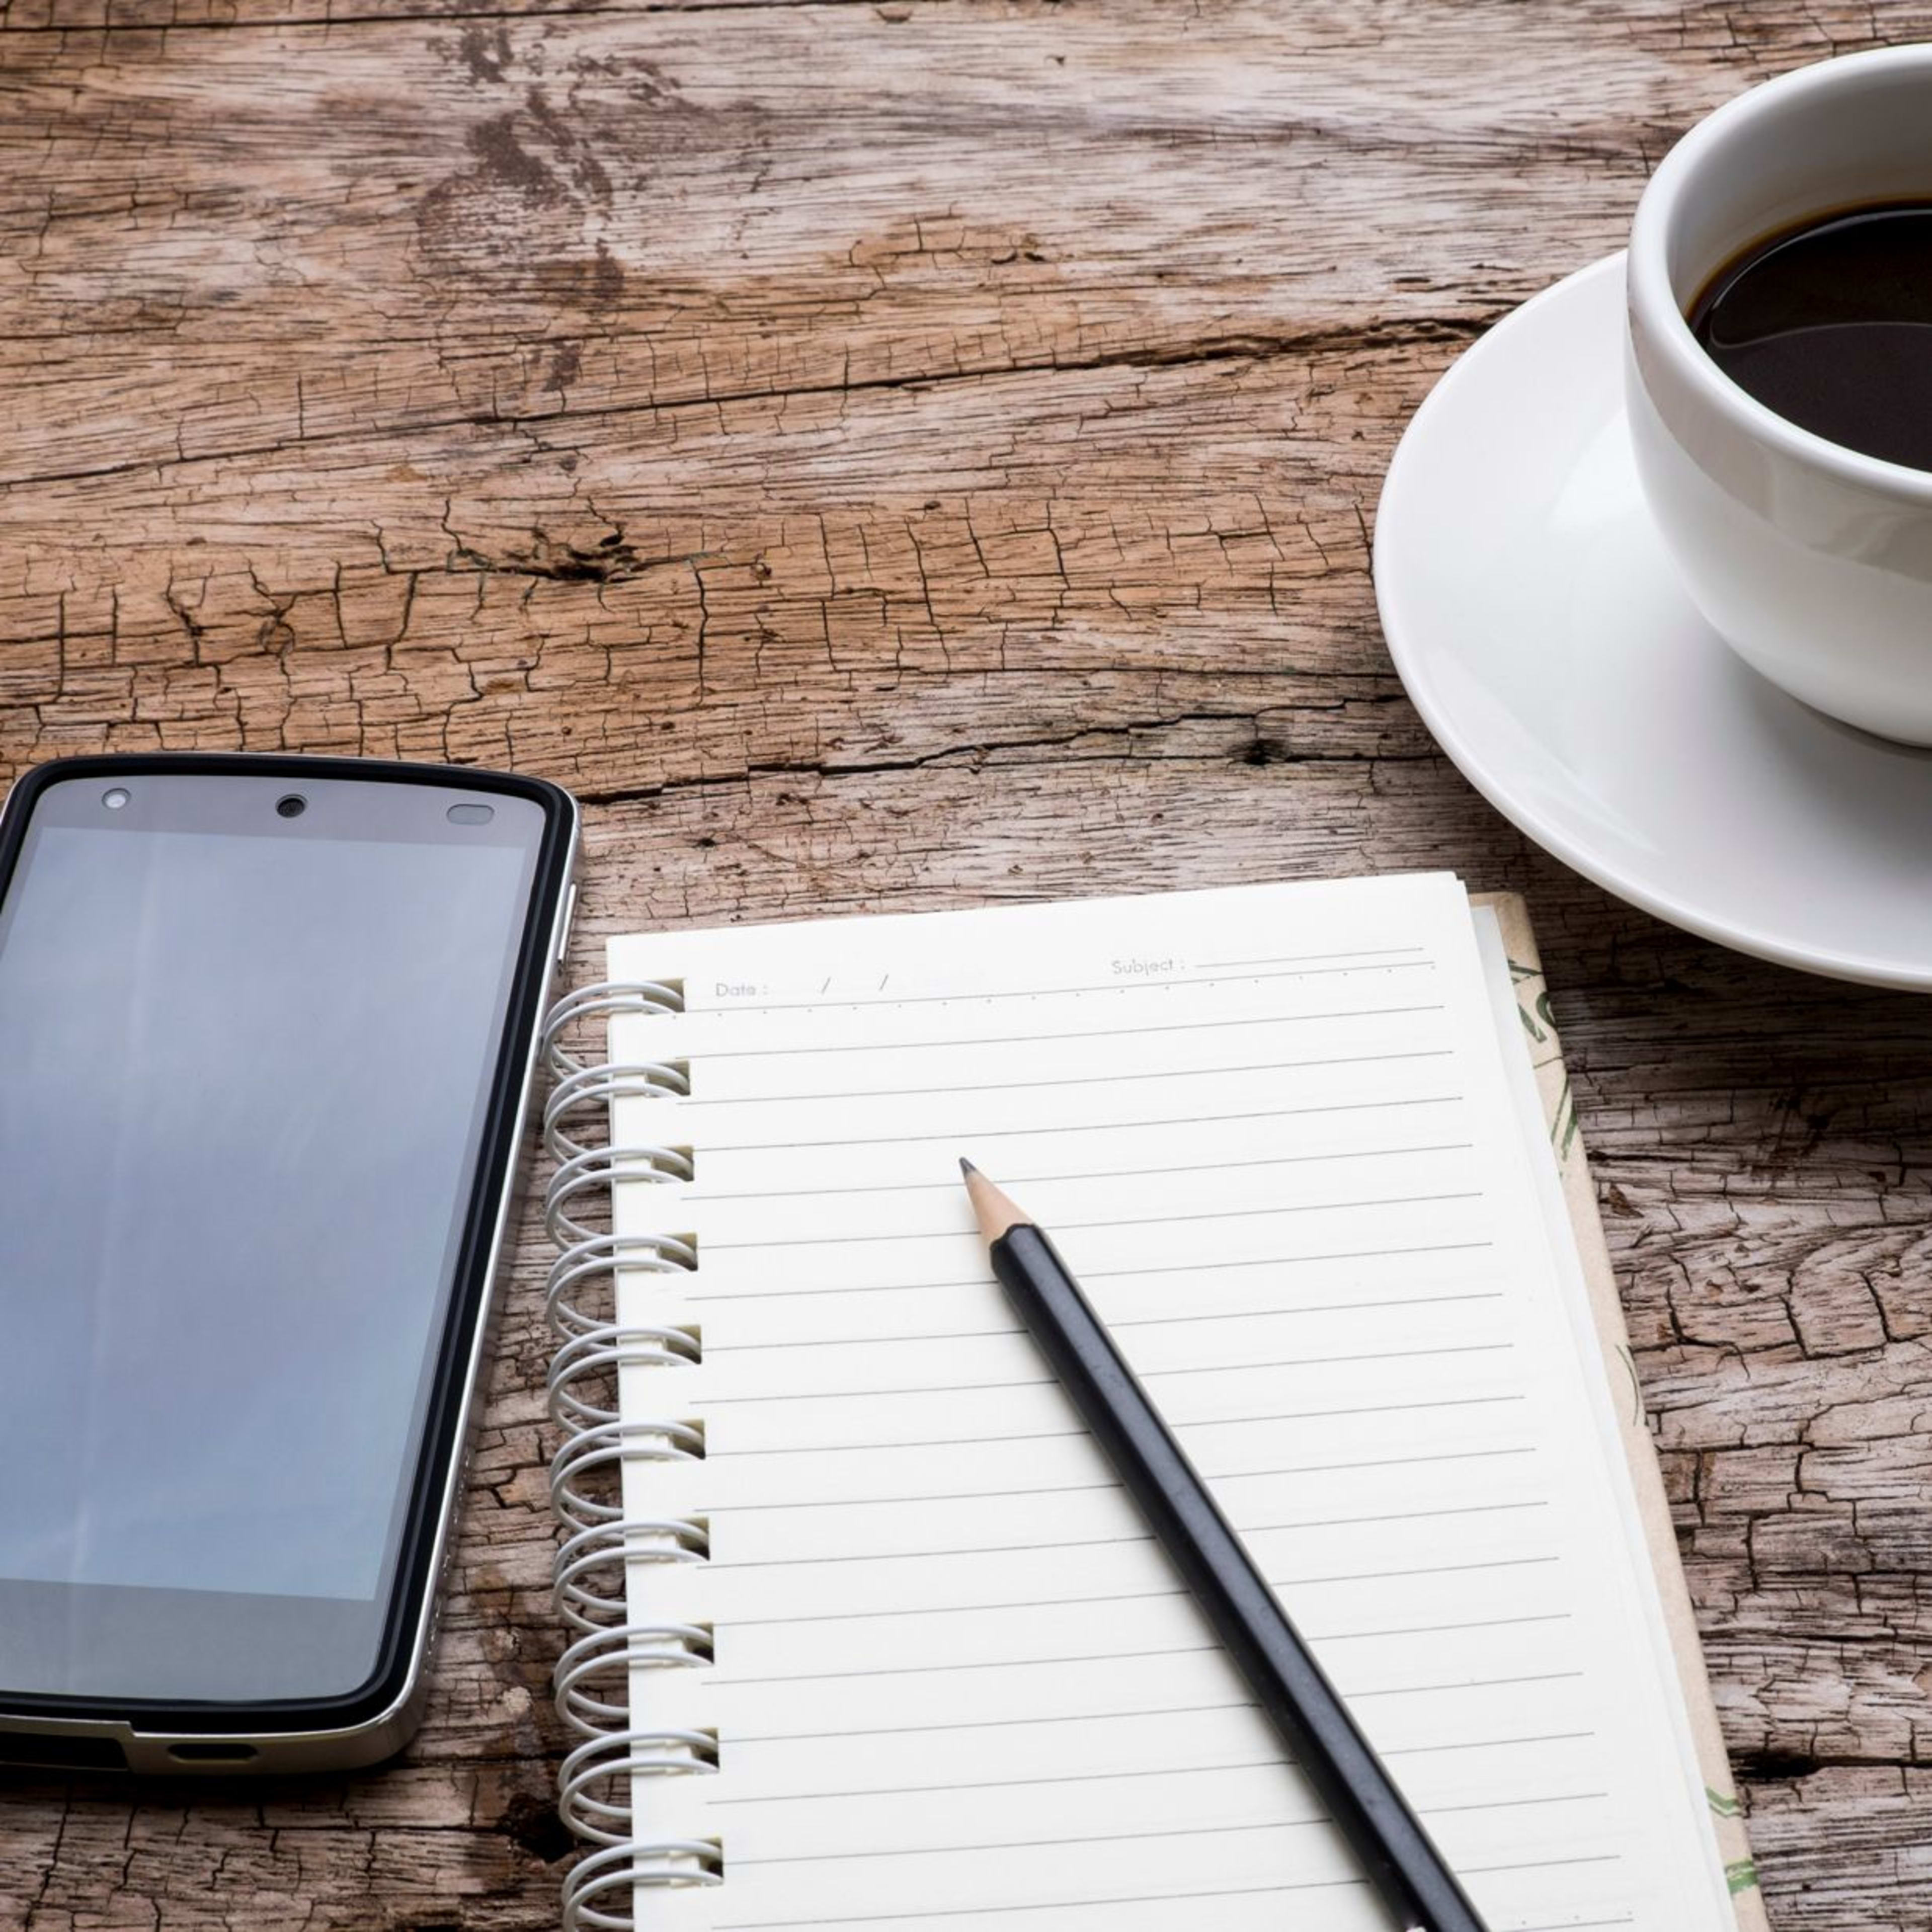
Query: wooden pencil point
[(996, 1213)]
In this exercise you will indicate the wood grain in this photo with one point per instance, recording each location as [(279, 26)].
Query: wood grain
[(911, 454)]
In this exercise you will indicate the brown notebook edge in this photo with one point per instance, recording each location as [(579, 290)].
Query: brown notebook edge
[(1552, 1081)]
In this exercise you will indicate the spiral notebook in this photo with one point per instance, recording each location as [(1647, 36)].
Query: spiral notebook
[(870, 1636)]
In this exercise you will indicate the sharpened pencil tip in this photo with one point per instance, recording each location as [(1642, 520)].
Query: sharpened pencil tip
[(994, 1212)]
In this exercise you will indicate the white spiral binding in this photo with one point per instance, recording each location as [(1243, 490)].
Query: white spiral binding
[(593, 1674)]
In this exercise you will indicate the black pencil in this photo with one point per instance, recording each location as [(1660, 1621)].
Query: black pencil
[(1396, 1855)]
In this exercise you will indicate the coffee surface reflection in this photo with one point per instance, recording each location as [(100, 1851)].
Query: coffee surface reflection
[(1830, 324)]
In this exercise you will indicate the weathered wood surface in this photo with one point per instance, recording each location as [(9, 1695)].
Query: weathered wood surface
[(912, 455)]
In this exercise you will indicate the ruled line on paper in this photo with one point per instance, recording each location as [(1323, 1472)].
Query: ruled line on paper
[(1104, 1542), (1487, 1743), (820, 1006), (740, 1739), (1517, 1804), (718, 1679), (1127, 1596), (1003, 1783), (1303, 959), (1176, 1770), (1546, 1864), (1071, 1127), (1181, 1428), (724, 1680), (1580, 1925), (1093, 1274), (1050, 1905), (1467, 1684), (951, 1187), (1107, 1033), (951, 1610), (1316, 1819), (846, 1239), (1043, 1381), (1127, 1898), (1131, 1321), (952, 1086), (1431, 1457), (1141, 1596)]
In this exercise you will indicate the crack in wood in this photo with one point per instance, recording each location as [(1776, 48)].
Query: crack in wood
[(1252, 347)]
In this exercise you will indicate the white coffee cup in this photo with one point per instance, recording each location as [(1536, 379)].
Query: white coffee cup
[(1813, 561)]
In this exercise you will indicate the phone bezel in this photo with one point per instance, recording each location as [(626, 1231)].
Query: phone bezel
[(433, 1491)]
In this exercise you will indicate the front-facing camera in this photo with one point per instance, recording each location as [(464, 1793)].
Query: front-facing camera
[(114, 799), (292, 806)]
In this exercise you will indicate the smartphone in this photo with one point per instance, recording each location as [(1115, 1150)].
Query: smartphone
[(267, 1032)]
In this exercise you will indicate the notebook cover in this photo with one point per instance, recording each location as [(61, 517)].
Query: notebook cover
[(1553, 1083)]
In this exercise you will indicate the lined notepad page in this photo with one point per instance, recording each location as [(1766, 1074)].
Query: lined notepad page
[(957, 1688)]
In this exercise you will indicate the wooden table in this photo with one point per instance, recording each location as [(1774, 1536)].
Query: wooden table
[(913, 454)]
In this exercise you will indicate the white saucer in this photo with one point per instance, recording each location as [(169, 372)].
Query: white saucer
[(1540, 630)]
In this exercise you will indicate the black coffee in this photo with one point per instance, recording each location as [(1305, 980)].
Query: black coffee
[(1830, 324)]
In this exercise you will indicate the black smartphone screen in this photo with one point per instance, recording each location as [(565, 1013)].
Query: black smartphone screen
[(249, 1027)]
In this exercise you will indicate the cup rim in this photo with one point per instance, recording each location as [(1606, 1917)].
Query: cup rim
[(1668, 329)]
